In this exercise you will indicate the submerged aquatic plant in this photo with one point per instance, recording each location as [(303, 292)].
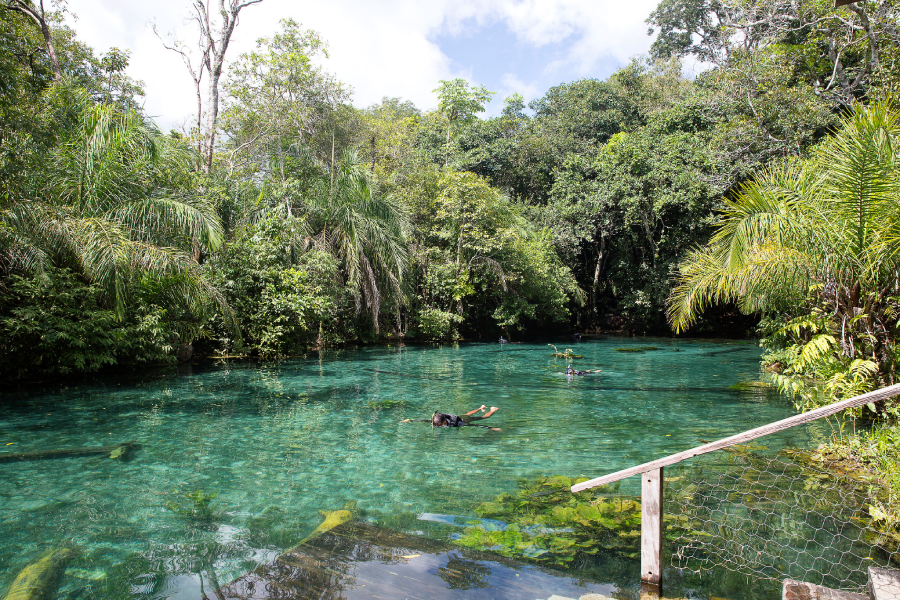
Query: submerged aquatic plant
[(275, 528), (199, 509), (548, 523)]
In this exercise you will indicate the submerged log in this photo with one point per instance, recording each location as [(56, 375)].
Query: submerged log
[(40, 580), (116, 451)]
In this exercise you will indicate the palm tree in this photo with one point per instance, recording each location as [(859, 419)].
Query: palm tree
[(827, 227), (108, 206), (363, 229)]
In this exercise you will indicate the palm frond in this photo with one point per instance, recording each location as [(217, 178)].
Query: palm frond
[(832, 218)]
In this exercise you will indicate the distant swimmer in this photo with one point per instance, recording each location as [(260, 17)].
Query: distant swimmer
[(571, 371), (439, 419), (502, 341)]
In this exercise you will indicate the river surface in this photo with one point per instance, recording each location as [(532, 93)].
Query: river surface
[(264, 447)]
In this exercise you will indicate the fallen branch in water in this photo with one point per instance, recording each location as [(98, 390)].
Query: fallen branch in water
[(119, 451)]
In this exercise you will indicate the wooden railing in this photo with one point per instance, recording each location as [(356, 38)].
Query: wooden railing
[(652, 476)]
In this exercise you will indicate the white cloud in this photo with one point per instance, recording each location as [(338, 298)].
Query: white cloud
[(511, 84), (383, 48), (595, 31)]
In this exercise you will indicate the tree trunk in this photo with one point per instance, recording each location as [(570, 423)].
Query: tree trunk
[(212, 114), (21, 7), (870, 34), (199, 115), (217, 45)]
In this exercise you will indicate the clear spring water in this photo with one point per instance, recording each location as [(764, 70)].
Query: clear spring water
[(278, 442)]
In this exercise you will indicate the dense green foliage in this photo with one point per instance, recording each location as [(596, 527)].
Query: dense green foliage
[(60, 324), (815, 241), (319, 224), (284, 300)]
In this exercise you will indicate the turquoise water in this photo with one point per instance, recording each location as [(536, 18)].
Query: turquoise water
[(278, 442)]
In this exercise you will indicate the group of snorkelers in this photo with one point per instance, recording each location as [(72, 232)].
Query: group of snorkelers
[(439, 419)]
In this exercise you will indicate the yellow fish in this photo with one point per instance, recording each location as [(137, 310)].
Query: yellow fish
[(333, 518), (40, 579)]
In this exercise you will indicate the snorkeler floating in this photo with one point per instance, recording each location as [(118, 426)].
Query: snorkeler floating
[(571, 371), (439, 419)]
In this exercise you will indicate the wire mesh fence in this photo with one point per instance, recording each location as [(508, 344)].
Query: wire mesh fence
[(775, 516)]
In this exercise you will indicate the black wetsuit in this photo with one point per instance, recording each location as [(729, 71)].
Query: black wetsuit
[(447, 420)]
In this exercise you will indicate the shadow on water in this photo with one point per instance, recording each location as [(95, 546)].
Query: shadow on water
[(359, 561)]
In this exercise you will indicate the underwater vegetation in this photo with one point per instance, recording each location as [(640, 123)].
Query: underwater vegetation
[(199, 509), (751, 386), (548, 523), (274, 528), (841, 479), (120, 451), (40, 580), (762, 515)]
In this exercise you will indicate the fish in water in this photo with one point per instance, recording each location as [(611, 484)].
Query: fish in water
[(40, 579), (332, 519)]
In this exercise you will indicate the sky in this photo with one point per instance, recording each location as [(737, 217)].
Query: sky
[(388, 48)]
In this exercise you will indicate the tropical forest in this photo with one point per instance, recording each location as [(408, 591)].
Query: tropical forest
[(216, 274)]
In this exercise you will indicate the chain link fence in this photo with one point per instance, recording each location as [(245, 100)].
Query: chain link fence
[(775, 516)]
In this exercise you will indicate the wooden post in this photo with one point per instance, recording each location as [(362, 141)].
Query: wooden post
[(651, 529)]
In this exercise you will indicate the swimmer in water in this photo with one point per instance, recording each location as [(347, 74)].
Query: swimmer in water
[(439, 419), (571, 371)]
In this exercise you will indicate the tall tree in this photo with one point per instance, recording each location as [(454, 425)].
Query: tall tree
[(386, 137), (195, 66), (363, 229), (278, 97), (839, 49), (216, 27), (459, 104)]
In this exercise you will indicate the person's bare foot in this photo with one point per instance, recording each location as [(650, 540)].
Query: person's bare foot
[(483, 407), (494, 409)]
